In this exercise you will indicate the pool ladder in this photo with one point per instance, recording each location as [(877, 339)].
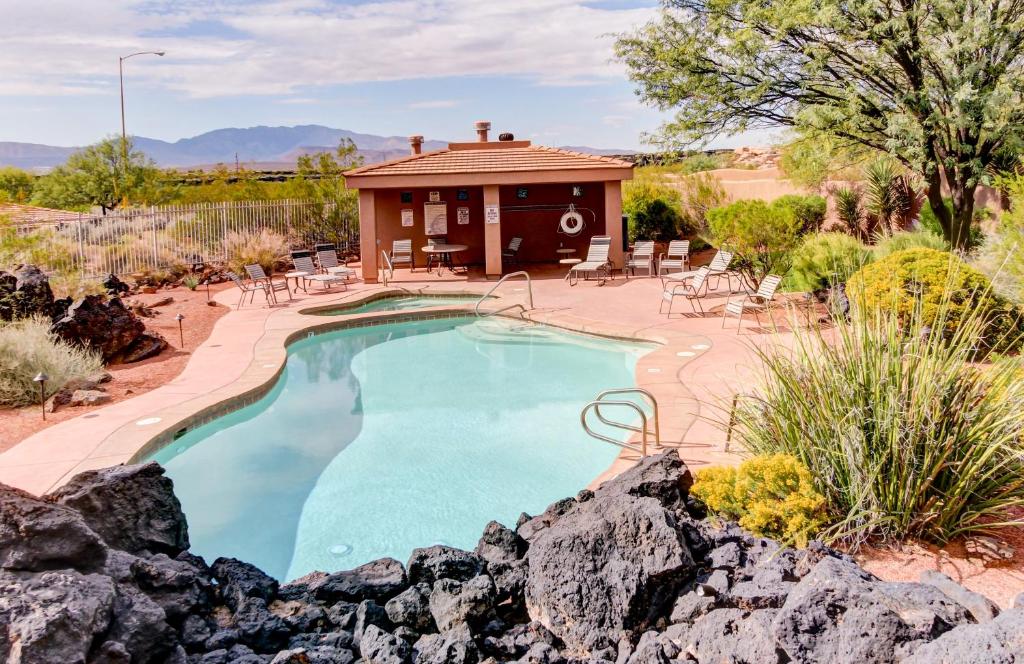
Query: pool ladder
[(529, 291), (644, 430)]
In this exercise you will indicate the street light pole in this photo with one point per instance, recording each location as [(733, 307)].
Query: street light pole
[(120, 74)]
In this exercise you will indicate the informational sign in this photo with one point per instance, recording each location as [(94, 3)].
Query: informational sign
[(492, 214), (407, 218), (435, 218), (462, 215), (435, 196)]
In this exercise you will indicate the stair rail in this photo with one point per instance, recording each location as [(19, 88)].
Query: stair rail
[(529, 289), (644, 430)]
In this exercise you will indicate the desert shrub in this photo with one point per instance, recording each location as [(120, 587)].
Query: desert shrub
[(75, 285), (849, 208), (700, 193), (27, 347), (653, 211), (263, 249), (771, 495), (809, 210), (942, 287), (889, 195), (190, 281), (823, 260), (904, 434), (44, 248), (759, 234), (1001, 255), (887, 245)]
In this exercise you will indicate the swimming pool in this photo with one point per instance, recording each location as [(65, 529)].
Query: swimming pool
[(380, 439), (398, 302)]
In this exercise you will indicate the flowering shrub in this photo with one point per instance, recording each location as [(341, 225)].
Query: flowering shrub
[(770, 495)]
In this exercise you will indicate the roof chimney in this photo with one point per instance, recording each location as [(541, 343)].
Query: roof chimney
[(415, 144), (482, 127)]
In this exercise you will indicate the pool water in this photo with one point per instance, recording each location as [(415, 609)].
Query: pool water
[(400, 303), (378, 440)]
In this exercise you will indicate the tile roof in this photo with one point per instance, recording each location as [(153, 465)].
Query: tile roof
[(496, 160), (30, 214)]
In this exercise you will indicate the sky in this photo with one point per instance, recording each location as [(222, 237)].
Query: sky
[(542, 69)]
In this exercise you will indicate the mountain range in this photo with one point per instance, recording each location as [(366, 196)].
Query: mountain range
[(265, 148)]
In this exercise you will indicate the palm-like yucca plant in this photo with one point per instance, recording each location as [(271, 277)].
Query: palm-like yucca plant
[(849, 208), (888, 196), (906, 433)]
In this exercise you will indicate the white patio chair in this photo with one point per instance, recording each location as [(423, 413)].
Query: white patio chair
[(270, 286), (512, 252), (757, 302), (676, 258), (328, 260), (642, 256), (305, 264), (596, 262), (401, 254), (249, 289), (692, 288), (719, 267)]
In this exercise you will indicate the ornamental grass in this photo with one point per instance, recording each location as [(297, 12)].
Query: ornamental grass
[(907, 433)]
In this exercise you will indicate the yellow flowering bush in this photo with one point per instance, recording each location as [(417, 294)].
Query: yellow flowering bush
[(942, 285), (771, 495)]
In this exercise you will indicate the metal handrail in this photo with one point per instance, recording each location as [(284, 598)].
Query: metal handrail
[(599, 436), (529, 288), (632, 390), (386, 267)]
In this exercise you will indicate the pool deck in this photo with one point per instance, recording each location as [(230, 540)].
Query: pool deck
[(694, 372)]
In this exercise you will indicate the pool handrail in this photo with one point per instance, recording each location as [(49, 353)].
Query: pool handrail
[(629, 404), (529, 289), (631, 390)]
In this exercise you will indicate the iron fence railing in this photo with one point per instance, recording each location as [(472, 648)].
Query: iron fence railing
[(136, 239)]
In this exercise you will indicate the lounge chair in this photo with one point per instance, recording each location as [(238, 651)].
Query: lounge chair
[(757, 302), (328, 260), (511, 254), (676, 258), (693, 287), (270, 286), (719, 267), (295, 273), (305, 264), (596, 262), (401, 254), (249, 289), (642, 257)]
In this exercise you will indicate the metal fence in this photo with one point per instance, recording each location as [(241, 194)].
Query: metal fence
[(136, 239)]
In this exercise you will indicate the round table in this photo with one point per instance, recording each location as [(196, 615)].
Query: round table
[(564, 252), (570, 262), (444, 253)]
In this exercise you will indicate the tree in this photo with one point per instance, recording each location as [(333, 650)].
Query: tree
[(98, 175), (759, 234), (321, 179), (15, 185), (937, 84)]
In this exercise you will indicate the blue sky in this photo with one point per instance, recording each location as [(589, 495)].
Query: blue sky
[(542, 69)]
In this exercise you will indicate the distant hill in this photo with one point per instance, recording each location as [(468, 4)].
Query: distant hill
[(279, 146)]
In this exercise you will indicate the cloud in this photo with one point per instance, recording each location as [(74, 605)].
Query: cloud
[(278, 47), (434, 103), (615, 120)]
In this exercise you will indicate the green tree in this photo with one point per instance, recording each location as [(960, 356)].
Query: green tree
[(15, 185), (760, 236), (99, 175), (321, 179), (938, 84)]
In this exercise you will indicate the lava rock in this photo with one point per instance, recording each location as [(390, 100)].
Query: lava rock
[(455, 646), (133, 508), (1000, 639), (429, 564), (499, 544), (982, 608), (114, 286), (146, 345), (378, 580), (179, 588), (240, 581), (38, 536), (733, 635), (259, 628), (141, 625), (369, 613), (25, 293), (380, 647), (454, 603), (105, 326), (411, 608), (663, 477)]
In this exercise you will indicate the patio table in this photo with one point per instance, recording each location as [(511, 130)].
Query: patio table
[(444, 253)]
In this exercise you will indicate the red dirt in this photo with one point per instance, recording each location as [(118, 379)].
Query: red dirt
[(134, 379)]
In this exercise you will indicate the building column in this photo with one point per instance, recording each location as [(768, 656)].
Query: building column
[(613, 220), (368, 236), (492, 233)]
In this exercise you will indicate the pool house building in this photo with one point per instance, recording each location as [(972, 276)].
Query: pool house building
[(480, 195)]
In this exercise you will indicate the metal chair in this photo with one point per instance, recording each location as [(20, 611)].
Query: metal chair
[(757, 302), (512, 252), (328, 260), (401, 254), (642, 256), (247, 289), (271, 287), (693, 288), (436, 258), (676, 258), (305, 264), (597, 261)]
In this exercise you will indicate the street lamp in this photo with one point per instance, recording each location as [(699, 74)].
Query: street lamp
[(120, 69)]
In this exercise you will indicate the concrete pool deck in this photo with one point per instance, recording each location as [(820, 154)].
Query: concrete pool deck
[(693, 372)]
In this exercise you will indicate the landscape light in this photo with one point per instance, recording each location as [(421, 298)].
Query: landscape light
[(41, 378), (181, 335)]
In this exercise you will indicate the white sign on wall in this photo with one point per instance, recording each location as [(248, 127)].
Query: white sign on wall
[(435, 196), (462, 216), (492, 214), (407, 218), (435, 218)]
